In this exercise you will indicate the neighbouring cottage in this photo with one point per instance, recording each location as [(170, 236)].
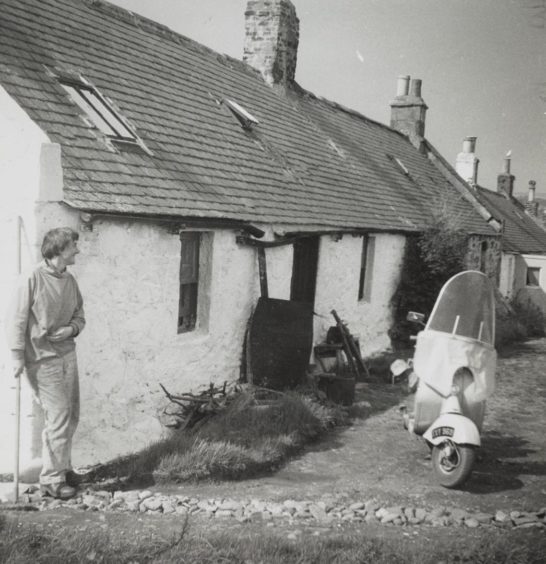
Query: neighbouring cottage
[(522, 275), (162, 152)]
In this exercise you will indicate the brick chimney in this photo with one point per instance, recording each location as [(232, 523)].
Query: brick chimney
[(467, 163), (271, 39), (408, 110), (505, 180), (531, 205)]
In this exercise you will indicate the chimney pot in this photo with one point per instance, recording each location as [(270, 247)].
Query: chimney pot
[(416, 87), (531, 206), (506, 165), (402, 86), (505, 180), (532, 188), (469, 145)]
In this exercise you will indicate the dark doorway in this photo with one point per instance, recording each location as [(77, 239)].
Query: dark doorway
[(304, 270)]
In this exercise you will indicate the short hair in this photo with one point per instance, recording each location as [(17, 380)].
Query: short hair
[(56, 240)]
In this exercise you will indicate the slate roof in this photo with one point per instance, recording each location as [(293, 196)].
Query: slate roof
[(309, 162), (521, 233)]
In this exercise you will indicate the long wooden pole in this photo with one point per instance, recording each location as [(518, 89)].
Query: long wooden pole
[(17, 384)]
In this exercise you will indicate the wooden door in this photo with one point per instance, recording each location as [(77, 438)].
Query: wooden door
[(304, 270)]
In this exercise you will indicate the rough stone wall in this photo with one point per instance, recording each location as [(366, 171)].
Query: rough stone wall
[(337, 288), (492, 255), (505, 183), (409, 118), (271, 39)]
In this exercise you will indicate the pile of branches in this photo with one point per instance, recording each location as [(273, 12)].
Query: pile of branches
[(188, 410)]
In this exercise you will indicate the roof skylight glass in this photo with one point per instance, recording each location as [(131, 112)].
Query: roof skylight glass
[(98, 111), (244, 117)]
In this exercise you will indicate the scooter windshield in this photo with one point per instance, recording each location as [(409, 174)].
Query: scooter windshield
[(466, 308), (460, 333)]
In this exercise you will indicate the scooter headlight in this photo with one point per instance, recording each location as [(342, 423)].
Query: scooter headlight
[(455, 389)]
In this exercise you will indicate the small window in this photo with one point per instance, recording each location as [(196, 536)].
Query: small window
[(189, 281), (483, 256), (366, 268), (533, 276), (98, 111), (245, 118)]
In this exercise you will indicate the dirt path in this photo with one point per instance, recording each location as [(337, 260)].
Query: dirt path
[(377, 459)]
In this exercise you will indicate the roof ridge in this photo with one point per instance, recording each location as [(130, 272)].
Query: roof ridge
[(512, 199), (151, 26), (345, 109)]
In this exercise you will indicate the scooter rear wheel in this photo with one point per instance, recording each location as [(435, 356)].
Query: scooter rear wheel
[(452, 463)]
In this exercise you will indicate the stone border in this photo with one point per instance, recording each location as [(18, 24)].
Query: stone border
[(323, 512)]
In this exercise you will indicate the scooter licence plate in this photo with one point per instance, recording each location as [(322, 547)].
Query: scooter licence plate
[(442, 432)]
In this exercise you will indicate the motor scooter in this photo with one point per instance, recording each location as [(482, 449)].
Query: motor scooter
[(455, 362)]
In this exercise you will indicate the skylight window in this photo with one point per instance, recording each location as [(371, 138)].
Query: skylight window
[(245, 118), (402, 166), (98, 111)]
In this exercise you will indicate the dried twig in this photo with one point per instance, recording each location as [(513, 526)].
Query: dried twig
[(195, 407)]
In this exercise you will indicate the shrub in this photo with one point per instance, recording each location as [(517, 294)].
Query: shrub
[(431, 258), (516, 321)]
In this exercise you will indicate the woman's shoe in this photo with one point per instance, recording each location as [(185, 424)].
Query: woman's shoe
[(58, 491)]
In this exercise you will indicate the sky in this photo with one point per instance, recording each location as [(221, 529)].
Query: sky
[(482, 63)]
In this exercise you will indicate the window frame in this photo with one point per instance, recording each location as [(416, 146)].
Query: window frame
[(528, 271), (189, 282), (87, 96), (367, 261)]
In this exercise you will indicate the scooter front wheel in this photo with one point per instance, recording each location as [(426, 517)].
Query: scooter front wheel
[(452, 463)]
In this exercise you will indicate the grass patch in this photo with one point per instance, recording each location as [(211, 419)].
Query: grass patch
[(127, 540), (249, 437)]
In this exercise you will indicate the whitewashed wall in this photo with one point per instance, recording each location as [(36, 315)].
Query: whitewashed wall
[(507, 277), (29, 172), (513, 279), (337, 288), (129, 276), (128, 272)]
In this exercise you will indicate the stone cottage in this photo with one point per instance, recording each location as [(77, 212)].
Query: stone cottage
[(162, 152), (522, 274)]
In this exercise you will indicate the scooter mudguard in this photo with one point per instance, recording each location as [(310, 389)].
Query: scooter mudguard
[(455, 427)]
